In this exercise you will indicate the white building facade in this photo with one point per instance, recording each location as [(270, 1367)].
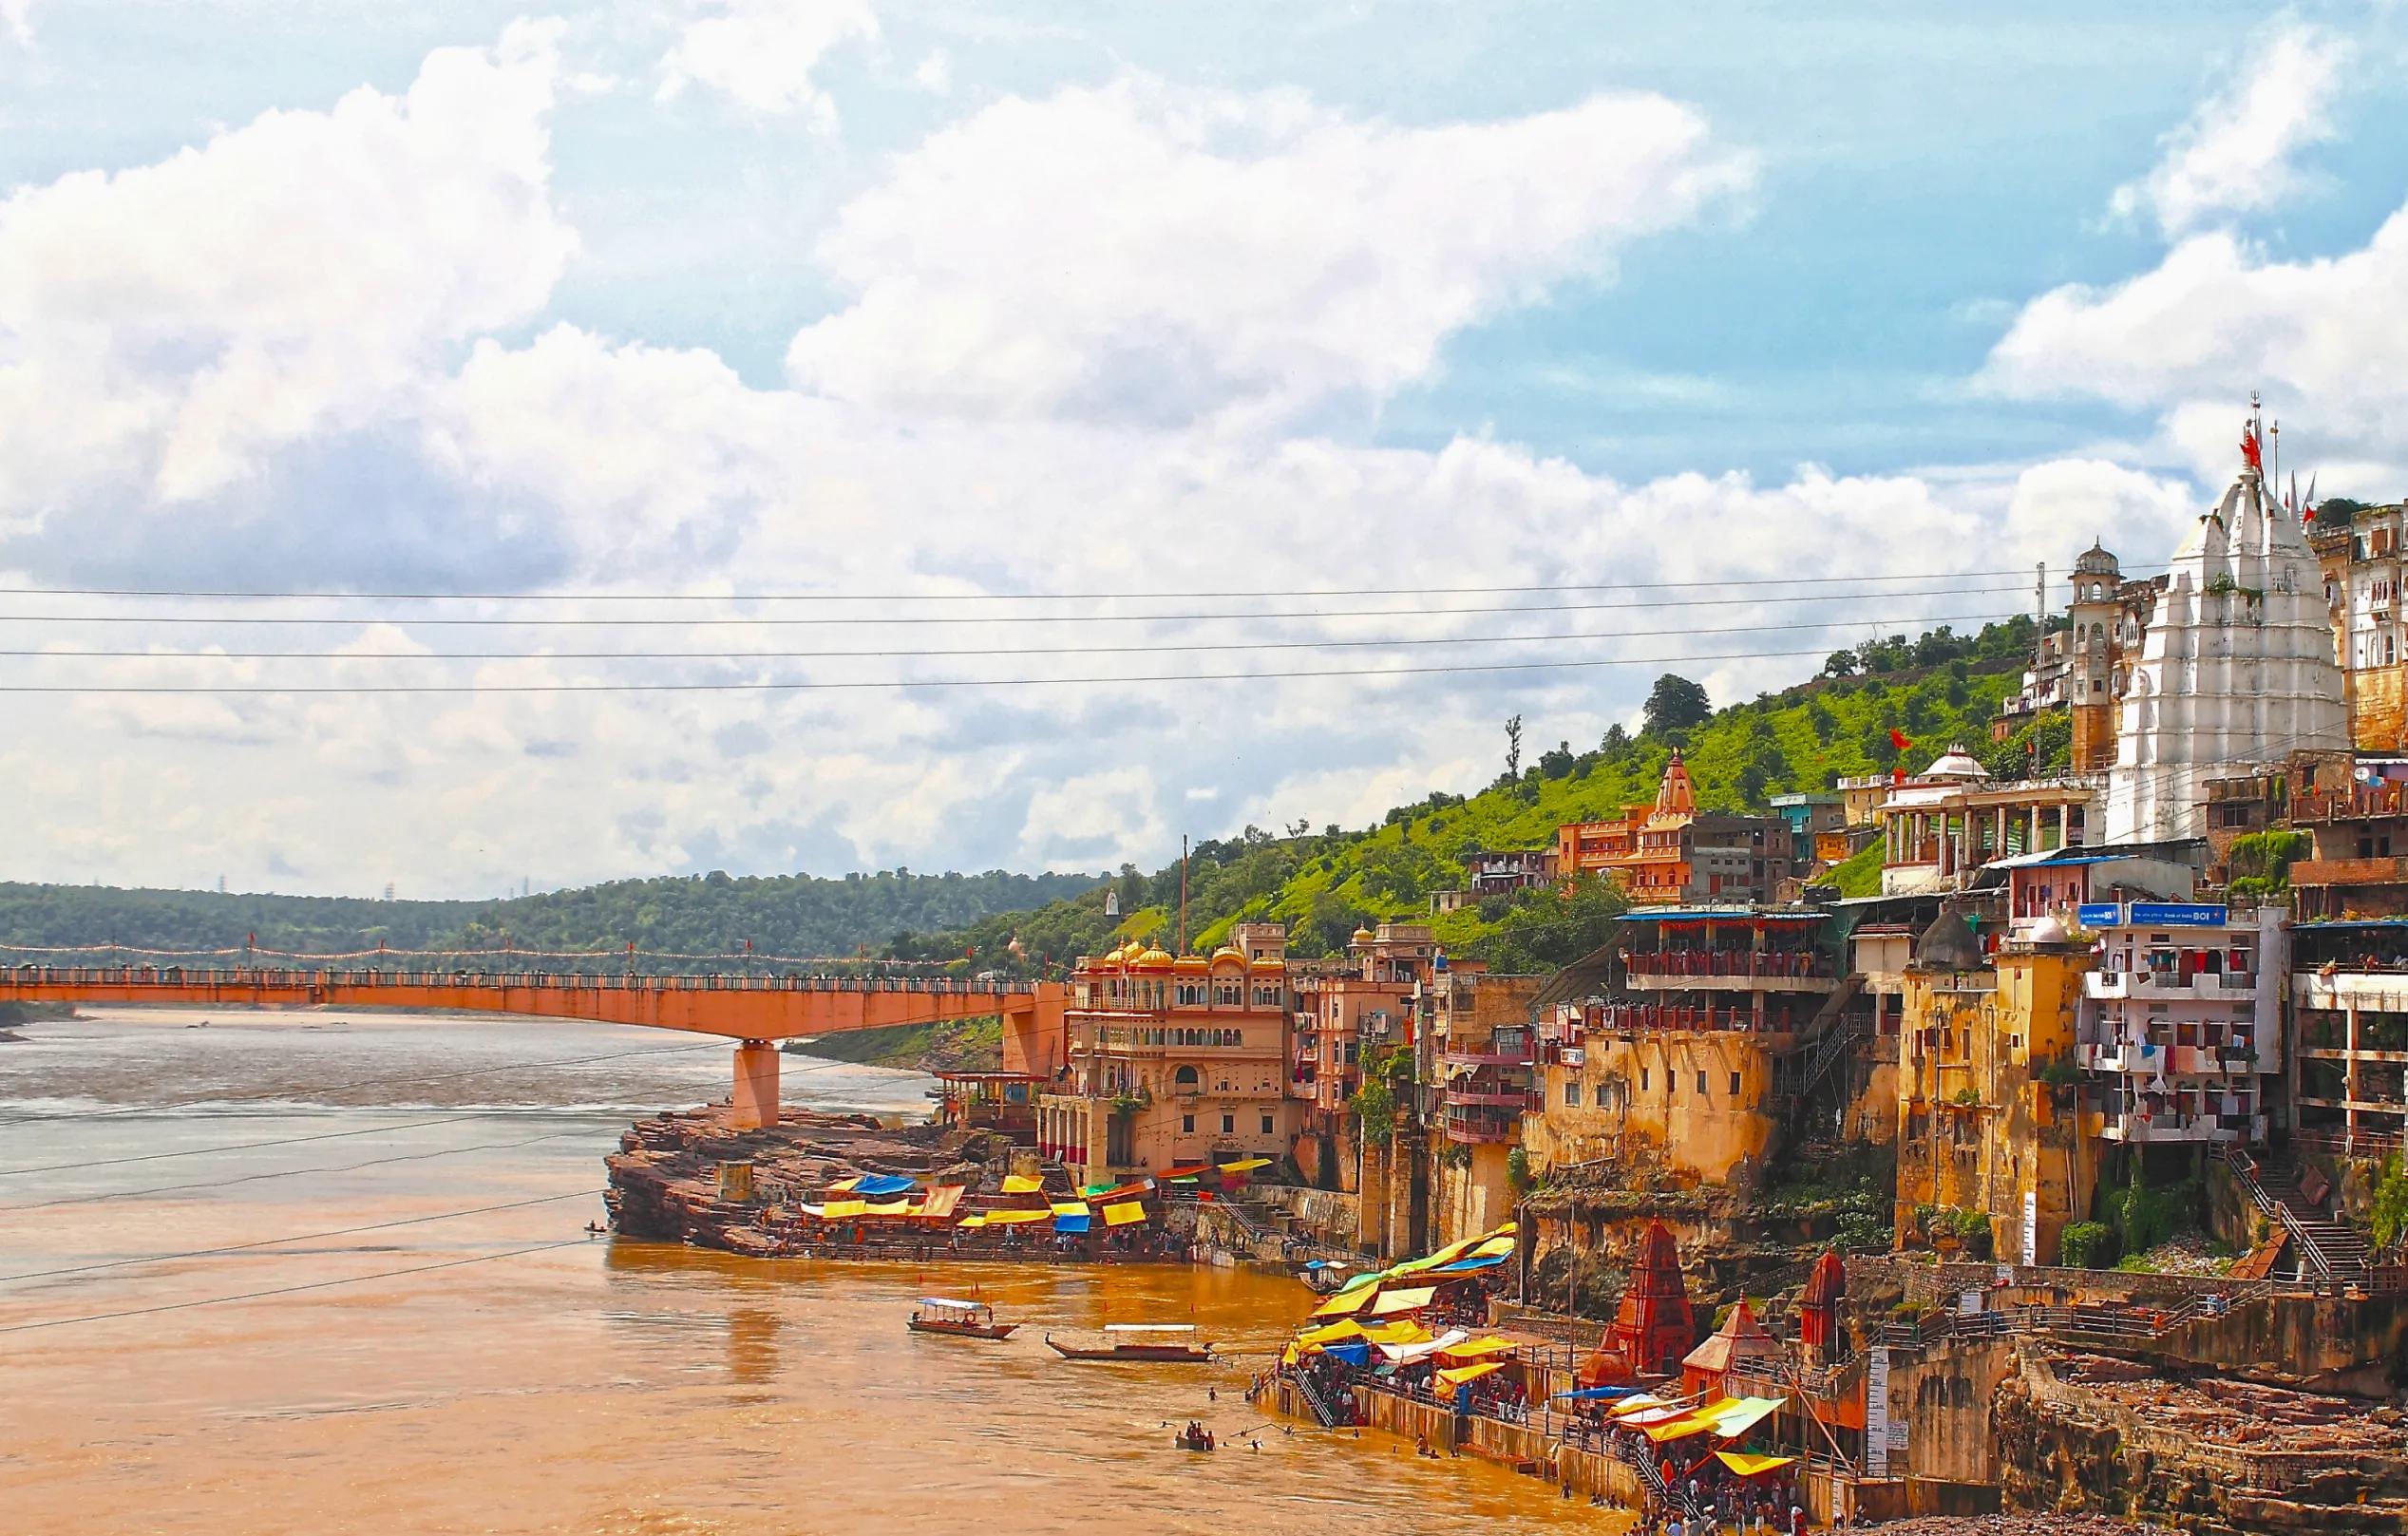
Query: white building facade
[(2236, 669), (2180, 1030)]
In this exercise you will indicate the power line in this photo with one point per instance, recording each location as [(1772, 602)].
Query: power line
[(238, 1147), (299, 1237), (384, 1080), (1551, 636), (289, 1290), (766, 620), (790, 686), (975, 597), (287, 1173)]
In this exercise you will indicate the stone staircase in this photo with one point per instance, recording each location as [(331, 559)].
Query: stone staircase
[(2331, 1253)]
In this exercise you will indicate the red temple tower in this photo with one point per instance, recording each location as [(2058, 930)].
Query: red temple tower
[(1654, 1327), (1818, 1309)]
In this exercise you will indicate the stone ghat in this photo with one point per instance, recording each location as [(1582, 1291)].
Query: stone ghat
[(2240, 1414), (664, 1179)]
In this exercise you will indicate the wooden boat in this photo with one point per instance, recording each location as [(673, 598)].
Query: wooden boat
[(1131, 1341), (1201, 1440), (963, 1320)]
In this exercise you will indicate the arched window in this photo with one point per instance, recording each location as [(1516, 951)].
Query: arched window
[(1186, 1080)]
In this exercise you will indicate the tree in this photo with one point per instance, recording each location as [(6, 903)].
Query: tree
[(1513, 747), (1676, 704), (1557, 763), (1840, 664)]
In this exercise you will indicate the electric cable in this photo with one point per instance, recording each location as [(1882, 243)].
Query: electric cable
[(980, 597), (299, 1237), (385, 1080), (769, 620), (289, 1290), (1548, 637), (856, 685), (236, 1146)]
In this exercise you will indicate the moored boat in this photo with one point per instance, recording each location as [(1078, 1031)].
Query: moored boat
[(1172, 1342), (964, 1319)]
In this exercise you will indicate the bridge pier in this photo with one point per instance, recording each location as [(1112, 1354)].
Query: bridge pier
[(754, 1103)]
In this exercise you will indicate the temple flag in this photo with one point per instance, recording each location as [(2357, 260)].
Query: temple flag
[(1898, 741)]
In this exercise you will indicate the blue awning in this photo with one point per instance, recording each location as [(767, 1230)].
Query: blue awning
[(1594, 1395), (1461, 1265), (1071, 1223), (884, 1184), (1355, 1353)]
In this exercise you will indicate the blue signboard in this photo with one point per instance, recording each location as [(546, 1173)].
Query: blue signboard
[(2100, 915), (2176, 915)]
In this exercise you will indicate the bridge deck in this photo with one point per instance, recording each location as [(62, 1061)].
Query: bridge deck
[(738, 1007)]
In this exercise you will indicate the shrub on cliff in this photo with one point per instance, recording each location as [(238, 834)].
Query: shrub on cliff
[(2087, 1245)]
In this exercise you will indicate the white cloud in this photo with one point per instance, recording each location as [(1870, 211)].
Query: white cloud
[(2235, 154), (1095, 820), (935, 74), (17, 17), (762, 53), (1152, 252), (2188, 339), (164, 327)]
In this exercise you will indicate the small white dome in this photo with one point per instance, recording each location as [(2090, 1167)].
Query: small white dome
[(2049, 930), (1956, 763)]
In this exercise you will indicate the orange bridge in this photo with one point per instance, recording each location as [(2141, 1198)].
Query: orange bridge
[(751, 1010)]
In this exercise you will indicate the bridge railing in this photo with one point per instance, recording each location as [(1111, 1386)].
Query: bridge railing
[(300, 978)]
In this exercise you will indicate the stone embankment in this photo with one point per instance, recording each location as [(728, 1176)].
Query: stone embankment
[(665, 1179), (2023, 1524)]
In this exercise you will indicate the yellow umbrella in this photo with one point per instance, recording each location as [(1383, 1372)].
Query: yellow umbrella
[(841, 1185), (1399, 1331), (1021, 1183), (1016, 1217), (1457, 1376), (836, 1210), (1493, 1248), (1478, 1347), (1245, 1164), (1344, 1304), (1331, 1334), (1747, 1465), (1071, 1207), (1124, 1213), (1394, 1301), (974, 1220)]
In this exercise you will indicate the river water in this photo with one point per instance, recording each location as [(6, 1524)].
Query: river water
[(599, 1385)]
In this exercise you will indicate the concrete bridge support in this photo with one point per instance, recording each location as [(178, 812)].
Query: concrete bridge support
[(755, 1100)]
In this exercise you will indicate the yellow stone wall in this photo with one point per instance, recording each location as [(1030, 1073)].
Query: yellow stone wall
[(1977, 1131), (1640, 1096), (2379, 707)]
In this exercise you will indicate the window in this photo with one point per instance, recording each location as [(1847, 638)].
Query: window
[(1734, 1085), (1643, 1079), (1572, 1091), (1228, 1123), (1266, 1123), (1187, 1123), (1186, 1080), (1702, 1084)]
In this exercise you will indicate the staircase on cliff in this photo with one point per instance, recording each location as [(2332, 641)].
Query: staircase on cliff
[(2330, 1251)]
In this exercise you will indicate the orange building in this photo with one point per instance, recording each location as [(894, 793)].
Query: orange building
[(1671, 853), (1343, 1009), (1173, 1060)]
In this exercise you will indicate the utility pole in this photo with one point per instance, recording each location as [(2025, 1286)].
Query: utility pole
[(1183, 893)]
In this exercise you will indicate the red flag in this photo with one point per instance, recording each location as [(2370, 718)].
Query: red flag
[(1898, 775), (2249, 446), (1898, 741)]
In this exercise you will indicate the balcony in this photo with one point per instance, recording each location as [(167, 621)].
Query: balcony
[(2362, 801), (1643, 1018), (2170, 984), (2383, 871), (1496, 1098), (1488, 1058), (2167, 1126), (1482, 1125), (1756, 970)]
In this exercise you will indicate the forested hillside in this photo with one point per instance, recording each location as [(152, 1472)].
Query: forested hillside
[(715, 914), (1936, 689)]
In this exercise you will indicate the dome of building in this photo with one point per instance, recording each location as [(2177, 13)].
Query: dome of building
[(1265, 962), (1228, 954), (2095, 560), (1363, 936), (1192, 963), (1152, 960), (2049, 930), (1950, 943), (1956, 763)]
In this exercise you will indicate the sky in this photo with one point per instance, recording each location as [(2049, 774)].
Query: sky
[(474, 428)]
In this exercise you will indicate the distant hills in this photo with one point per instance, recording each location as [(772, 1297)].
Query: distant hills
[(715, 914), (1938, 688)]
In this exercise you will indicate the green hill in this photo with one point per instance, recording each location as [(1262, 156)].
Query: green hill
[(1938, 690), (714, 914)]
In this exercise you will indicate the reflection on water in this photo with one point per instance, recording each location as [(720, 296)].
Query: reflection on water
[(601, 1386)]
